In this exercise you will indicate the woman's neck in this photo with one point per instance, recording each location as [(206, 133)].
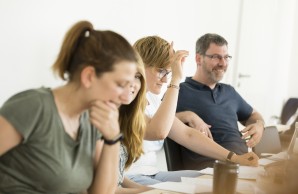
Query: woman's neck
[(68, 100), (69, 108)]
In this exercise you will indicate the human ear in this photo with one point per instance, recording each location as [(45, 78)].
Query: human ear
[(198, 58), (87, 76)]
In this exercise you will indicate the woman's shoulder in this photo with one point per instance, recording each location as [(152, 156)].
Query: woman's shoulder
[(32, 93), (30, 97)]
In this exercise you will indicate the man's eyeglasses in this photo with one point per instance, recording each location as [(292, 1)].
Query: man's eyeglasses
[(164, 73), (217, 58)]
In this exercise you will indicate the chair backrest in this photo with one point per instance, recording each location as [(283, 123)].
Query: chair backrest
[(270, 142), (173, 155), (289, 109)]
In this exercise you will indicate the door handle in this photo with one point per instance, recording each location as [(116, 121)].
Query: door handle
[(243, 75)]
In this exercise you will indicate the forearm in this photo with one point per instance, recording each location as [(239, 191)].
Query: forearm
[(106, 173), (131, 187), (160, 124), (121, 190), (185, 116), (196, 141), (254, 117)]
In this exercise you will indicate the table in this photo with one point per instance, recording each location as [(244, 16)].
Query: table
[(243, 190)]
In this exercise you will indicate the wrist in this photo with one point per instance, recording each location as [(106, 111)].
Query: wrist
[(175, 81), (114, 140), (231, 157), (173, 86), (261, 123)]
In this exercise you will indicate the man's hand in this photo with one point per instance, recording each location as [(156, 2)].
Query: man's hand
[(253, 133)]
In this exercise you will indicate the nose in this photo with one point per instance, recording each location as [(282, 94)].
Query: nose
[(222, 62), (126, 92), (164, 79)]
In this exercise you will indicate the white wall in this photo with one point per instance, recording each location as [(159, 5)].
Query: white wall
[(32, 31), (265, 52), (293, 70)]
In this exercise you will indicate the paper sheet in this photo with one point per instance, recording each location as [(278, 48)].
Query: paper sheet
[(245, 172), (265, 161), (183, 187), (243, 186)]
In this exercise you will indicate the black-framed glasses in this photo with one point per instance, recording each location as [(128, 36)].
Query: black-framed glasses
[(164, 73), (217, 58)]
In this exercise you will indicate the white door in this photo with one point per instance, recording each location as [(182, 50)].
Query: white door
[(263, 53)]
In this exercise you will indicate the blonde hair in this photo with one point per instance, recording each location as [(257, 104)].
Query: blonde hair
[(83, 46), (155, 51), (132, 120)]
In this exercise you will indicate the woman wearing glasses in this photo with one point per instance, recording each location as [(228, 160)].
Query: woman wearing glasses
[(159, 59)]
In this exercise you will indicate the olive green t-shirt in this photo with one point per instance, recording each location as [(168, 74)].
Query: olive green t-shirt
[(48, 160)]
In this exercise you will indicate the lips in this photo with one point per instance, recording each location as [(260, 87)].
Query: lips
[(221, 71)]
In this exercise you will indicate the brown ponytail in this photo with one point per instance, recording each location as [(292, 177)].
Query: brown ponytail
[(84, 46)]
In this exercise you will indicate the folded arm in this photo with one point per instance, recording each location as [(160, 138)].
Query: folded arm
[(193, 120), (199, 143)]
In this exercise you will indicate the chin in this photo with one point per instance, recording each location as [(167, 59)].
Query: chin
[(126, 103), (157, 92)]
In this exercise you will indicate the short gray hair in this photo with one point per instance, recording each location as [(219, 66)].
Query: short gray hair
[(204, 42)]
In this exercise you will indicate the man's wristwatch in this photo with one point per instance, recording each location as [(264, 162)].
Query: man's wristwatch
[(118, 137)]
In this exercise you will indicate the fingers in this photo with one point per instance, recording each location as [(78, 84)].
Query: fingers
[(181, 55), (177, 61), (206, 131), (248, 159), (248, 131), (104, 116), (179, 58), (252, 136), (252, 142), (210, 134), (172, 46)]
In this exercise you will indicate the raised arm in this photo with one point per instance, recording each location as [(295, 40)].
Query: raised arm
[(9, 136), (199, 143), (160, 124)]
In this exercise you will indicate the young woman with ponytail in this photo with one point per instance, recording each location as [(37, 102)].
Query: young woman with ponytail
[(66, 139)]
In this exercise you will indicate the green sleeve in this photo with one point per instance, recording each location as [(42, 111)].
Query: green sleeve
[(23, 111)]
